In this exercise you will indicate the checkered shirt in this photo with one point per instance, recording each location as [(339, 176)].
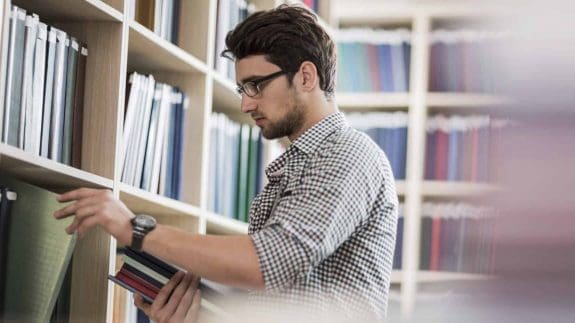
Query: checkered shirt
[(324, 226)]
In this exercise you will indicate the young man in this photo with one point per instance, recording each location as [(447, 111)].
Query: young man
[(322, 232)]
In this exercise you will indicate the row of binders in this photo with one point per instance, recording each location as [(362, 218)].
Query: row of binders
[(373, 60), (461, 148), (153, 136), (160, 16), (455, 237), (236, 166), (389, 131), (230, 13), (463, 61), (44, 89)]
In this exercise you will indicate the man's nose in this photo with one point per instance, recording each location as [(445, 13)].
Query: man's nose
[(248, 104)]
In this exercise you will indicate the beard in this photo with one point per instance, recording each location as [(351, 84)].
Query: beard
[(289, 124)]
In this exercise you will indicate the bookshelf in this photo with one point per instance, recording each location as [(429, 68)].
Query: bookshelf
[(420, 18), (119, 45)]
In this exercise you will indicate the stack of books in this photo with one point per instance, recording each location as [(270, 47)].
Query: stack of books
[(143, 273)]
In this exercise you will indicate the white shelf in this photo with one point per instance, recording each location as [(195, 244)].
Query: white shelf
[(463, 100), (149, 52), (141, 201), (400, 187), (218, 224), (456, 189), (427, 276), (45, 172), (371, 100), (400, 12)]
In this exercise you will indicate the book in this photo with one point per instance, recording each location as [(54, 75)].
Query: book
[(39, 253), (48, 93), (13, 98), (70, 89), (78, 117), (136, 273), (7, 196), (59, 96), (34, 132)]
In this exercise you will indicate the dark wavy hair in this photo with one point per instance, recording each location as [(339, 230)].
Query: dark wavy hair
[(287, 35)]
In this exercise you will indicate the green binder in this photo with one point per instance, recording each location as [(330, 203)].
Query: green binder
[(39, 252)]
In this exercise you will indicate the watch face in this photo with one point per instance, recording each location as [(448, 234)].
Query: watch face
[(144, 221)]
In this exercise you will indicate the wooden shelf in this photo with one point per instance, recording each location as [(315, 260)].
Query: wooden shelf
[(218, 224), (45, 172), (464, 100), (372, 100), (140, 201), (71, 10), (148, 52), (456, 189)]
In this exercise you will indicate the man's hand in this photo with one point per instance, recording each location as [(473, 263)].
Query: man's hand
[(96, 207), (177, 302)]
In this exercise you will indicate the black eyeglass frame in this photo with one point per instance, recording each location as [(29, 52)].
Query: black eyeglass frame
[(241, 89)]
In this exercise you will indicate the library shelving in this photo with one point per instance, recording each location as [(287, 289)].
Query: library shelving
[(118, 45), (420, 19)]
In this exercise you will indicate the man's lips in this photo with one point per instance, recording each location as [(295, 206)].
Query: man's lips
[(258, 120)]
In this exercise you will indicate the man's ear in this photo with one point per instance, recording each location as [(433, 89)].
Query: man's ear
[(309, 77)]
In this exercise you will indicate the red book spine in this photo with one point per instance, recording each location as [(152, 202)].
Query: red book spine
[(136, 285), (139, 279), (373, 57), (441, 147), (435, 243)]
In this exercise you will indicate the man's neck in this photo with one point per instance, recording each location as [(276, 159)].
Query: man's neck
[(322, 110)]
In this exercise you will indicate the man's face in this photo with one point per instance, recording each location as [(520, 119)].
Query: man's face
[(276, 108)]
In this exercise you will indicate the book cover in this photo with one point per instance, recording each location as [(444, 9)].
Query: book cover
[(7, 197), (48, 93), (70, 89), (39, 253), (78, 113)]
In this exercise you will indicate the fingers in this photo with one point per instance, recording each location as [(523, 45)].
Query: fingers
[(187, 298), (142, 304), (175, 299), (194, 310), (166, 291)]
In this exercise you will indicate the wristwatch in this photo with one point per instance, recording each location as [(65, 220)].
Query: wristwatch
[(141, 225)]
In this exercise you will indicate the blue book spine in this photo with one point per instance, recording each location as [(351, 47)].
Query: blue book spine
[(406, 62), (453, 155), (385, 67), (402, 151)]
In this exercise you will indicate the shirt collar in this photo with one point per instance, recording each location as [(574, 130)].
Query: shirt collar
[(306, 143), (311, 138)]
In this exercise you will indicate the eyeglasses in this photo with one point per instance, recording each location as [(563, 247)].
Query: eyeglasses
[(252, 88)]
